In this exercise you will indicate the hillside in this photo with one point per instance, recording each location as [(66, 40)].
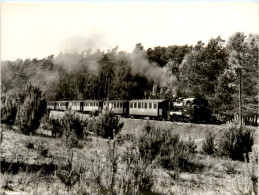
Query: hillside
[(37, 173)]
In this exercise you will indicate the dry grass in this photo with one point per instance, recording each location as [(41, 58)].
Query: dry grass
[(218, 176)]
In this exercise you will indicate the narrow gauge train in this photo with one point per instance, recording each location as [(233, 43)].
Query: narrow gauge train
[(194, 110), (183, 110)]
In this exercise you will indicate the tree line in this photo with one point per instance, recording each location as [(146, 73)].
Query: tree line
[(211, 70)]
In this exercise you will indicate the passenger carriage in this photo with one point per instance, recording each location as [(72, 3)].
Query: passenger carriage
[(91, 105), (51, 105), (76, 105), (62, 105), (152, 108), (120, 107)]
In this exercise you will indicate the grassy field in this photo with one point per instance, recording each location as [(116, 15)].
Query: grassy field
[(37, 160)]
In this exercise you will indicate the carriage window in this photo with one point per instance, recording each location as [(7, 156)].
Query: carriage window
[(131, 105), (135, 105), (115, 105), (118, 105), (155, 105), (145, 105), (121, 105), (97, 104), (150, 105), (139, 105)]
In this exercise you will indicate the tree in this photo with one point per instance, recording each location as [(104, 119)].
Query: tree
[(201, 68), (243, 61), (32, 110)]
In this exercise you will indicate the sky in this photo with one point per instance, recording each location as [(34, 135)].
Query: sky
[(37, 30)]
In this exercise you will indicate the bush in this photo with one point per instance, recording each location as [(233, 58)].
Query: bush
[(150, 142), (167, 148), (94, 113), (107, 124), (71, 126), (32, 110), (235, 142), (136, 174), (208, 146), (55, 127), (69, 172), (52, 124), (10, 103)]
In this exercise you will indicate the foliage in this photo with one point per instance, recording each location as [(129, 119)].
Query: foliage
[(137, 174), (50, 123), (104, 171), (32, 110), (208, 145), (243, 62), (10, 103), (71, 128), (55, 127), (121, 173), (23, 107), (247, 182), (209, 70), (235, 142), (108, 124), (172, 153), (201, 68), (69, 172)]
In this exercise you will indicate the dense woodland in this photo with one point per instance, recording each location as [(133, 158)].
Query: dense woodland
[(212, 71)]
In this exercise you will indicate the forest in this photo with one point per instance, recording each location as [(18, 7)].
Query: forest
[(213, 71)]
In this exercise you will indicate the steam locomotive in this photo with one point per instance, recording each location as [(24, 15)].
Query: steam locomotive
[(194, 110)]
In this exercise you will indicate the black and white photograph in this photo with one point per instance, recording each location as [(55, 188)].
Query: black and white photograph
[(129, 97)]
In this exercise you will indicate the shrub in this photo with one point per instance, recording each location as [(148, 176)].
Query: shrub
[(55, 127), (104, 170), (32, 110), (176, 154), (150, 142), (10, 103), (172, 153), (69, 172), (94, 113), (136, 174), (235, 142), (122, 138), (29, 145), (52, 124), (71, 126), (107, 124), (208, 146)]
